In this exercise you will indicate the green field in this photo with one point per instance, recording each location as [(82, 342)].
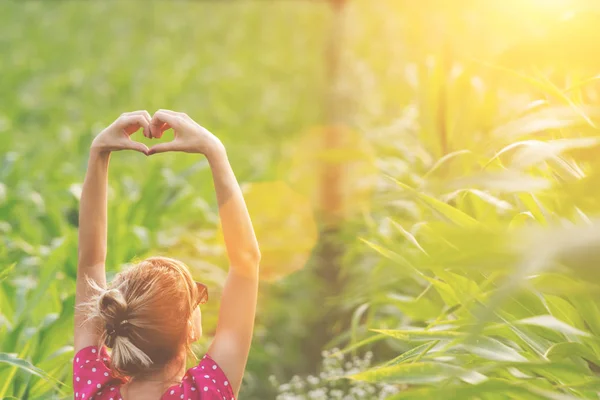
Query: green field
[(461, 260)]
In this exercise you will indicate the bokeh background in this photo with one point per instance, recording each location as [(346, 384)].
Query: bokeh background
[(423, 178)]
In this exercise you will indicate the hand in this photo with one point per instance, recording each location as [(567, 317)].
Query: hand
[(189, 136), (117, 136)]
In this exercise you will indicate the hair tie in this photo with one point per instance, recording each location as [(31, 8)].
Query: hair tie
[(110, 329), (111, 335), (120, 330)]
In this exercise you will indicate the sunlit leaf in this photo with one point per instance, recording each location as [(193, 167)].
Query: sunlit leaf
[(491, 387), (486, 197), (358, 345), (492, 349), (390, 255), (522, 219), (560, 351), (418, 334), (447, 158), (418, 373), (508, 181), (550, 322), (546, 119), (13, 360), (418, 351), (7, 271), (454, 215), (409, 236)]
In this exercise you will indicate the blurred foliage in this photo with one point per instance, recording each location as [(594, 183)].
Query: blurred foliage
[(472, 178)]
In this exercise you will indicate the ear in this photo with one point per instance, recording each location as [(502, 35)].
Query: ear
[(191, 331)]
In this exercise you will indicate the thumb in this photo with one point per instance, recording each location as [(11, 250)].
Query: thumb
[(162, 148), (137, 146)]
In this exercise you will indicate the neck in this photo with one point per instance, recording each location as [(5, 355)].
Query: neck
[(171, 374)]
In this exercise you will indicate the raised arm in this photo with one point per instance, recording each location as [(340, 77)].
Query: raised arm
[(93, 215), (233, 337)]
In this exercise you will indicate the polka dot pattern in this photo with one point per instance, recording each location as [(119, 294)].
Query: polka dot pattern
[(91, 375), (92, 379)]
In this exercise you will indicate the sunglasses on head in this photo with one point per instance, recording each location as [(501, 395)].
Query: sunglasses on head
[(202, 293)]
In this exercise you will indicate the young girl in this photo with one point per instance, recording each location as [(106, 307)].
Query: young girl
[(149, 314)]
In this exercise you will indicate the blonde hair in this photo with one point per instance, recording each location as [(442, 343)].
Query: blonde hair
[(144, 315)]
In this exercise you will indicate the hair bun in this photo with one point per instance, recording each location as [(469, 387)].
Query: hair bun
[(112, 307)]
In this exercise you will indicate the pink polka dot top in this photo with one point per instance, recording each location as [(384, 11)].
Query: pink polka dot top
[(92, 379)]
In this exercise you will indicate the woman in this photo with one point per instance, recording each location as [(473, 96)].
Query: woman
[(149, 314)]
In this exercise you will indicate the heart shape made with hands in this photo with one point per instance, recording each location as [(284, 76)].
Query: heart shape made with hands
[(157, 127), (159, 123), (153, 128), (189, 136)]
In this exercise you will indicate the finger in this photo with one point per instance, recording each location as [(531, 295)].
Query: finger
[(132, 122), (163, 148), (158, 128), (165, 116), (146, 116), (168, 111), (137, 146), (181, 114), (157, 133), (138, 112)]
